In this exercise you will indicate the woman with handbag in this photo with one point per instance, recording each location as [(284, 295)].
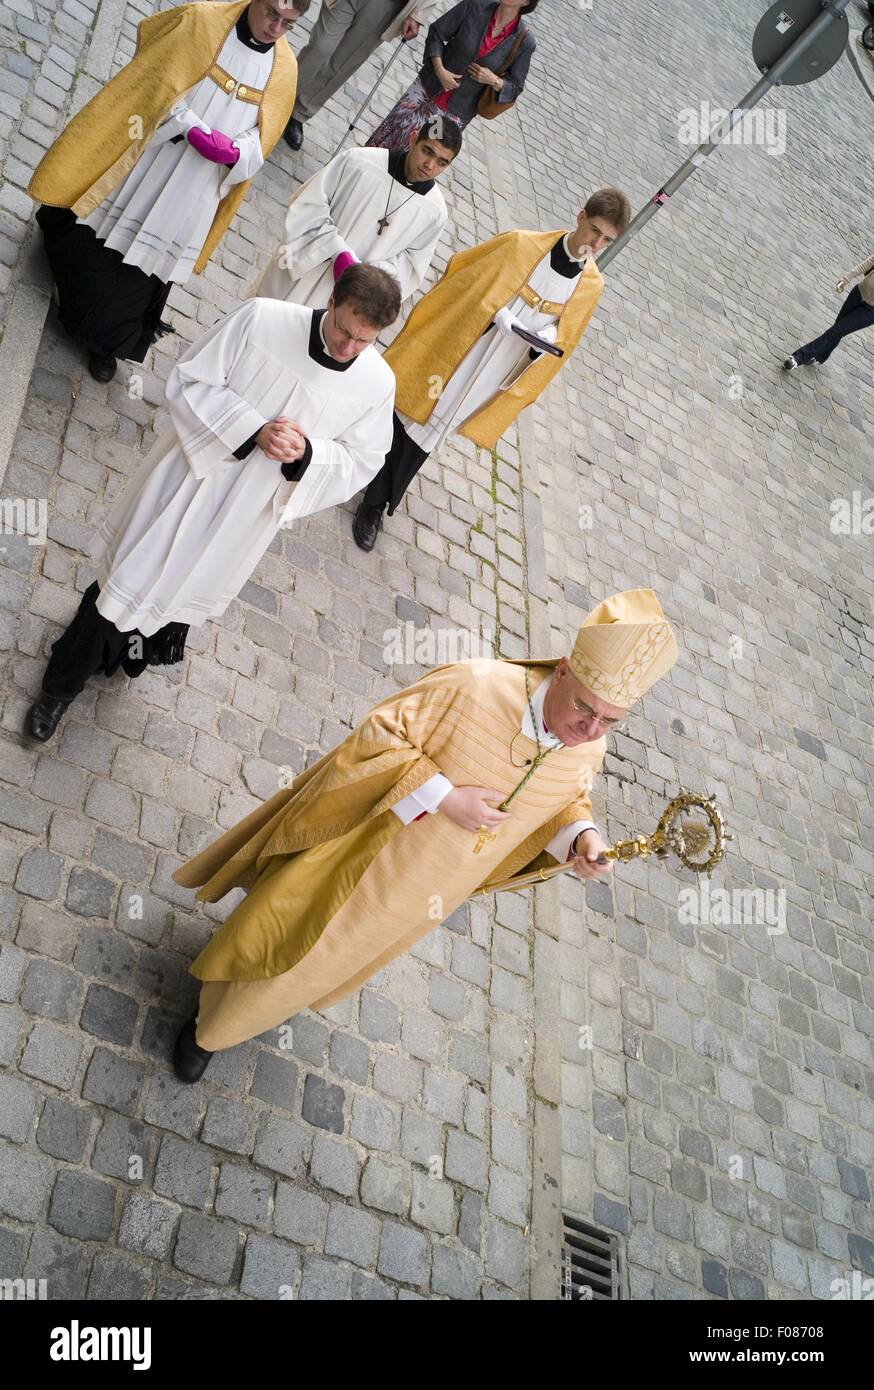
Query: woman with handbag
[(476, 60)]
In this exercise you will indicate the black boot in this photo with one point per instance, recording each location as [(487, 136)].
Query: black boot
[(366, 526), (44, 716), (189, 1060), (293, 134), (102, 366)]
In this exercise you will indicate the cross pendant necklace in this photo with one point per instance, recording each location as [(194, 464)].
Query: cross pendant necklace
[(385, 220), (484, 835)]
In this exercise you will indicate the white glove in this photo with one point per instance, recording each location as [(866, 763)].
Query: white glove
[(504, 321)]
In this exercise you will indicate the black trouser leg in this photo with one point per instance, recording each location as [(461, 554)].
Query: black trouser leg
[(378, 490), (855, 314), (91, 643), (402, 463)]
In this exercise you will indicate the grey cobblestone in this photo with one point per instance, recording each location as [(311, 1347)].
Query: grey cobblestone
[(334, 1166), (323, 1280), (124, 1149), (147, 1225), (373, 1124), (228, 1125), (50, 1056), (282, 1145), (299, 1215), (386, 1185), (63, 1129), (113, 1277), (403, 1254), (17, 1107), (205, 1248), (183, 1173), (82, 1207), (243, 1195), (65, 1260), (270, 1268), (352, 1235), (110, 1015), (113, 1081), (350, 1058)]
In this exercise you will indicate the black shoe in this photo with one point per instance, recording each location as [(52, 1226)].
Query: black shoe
[(366, 526), (189, 1060), (102, 366), (44, 716), (293, 134)]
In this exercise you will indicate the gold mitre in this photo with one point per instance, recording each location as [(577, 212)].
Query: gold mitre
[(623, 647)]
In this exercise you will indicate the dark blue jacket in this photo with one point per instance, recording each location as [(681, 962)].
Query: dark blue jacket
[(455, 37)]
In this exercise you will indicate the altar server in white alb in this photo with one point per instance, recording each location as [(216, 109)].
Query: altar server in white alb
[(277, 412), (374, 205), (140, 187)]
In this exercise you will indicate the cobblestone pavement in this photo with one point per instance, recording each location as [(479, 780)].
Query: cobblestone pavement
[(421, 1138)]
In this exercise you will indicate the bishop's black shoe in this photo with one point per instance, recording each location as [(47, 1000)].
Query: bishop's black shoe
[(366, 526), (293, 134), (102, 366), (44, 716), (189, 1060)]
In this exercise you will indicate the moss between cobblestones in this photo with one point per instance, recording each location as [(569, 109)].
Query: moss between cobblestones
[(553, 1105)]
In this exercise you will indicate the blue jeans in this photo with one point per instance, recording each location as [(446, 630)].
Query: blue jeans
[(855, 314)]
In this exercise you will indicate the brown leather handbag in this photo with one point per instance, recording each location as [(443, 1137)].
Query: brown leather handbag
[(488, 105)]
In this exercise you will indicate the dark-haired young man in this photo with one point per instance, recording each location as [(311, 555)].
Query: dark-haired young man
[(277, 412), (374, 205)]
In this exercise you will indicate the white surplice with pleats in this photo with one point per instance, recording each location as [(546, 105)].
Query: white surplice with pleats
[(194, 521), (159, 215)]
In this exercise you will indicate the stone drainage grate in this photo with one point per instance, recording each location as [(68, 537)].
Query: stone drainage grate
[(590, 1261)]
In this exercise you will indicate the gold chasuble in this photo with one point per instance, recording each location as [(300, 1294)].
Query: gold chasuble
[(338, 885), (449, 319), (175, 50)]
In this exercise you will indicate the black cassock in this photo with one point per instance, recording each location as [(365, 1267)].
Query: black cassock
[(107, 306)]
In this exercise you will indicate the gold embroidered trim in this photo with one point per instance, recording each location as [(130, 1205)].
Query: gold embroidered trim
[(543, 306), (230, 84), (624, 686)]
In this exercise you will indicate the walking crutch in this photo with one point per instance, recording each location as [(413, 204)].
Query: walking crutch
[(369, 97)]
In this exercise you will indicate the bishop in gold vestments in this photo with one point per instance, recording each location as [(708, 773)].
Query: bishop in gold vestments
[(345, 869)]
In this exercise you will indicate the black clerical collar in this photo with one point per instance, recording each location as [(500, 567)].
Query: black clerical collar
[(244, 34), (396, 161), (317, 348), (561, 262)]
